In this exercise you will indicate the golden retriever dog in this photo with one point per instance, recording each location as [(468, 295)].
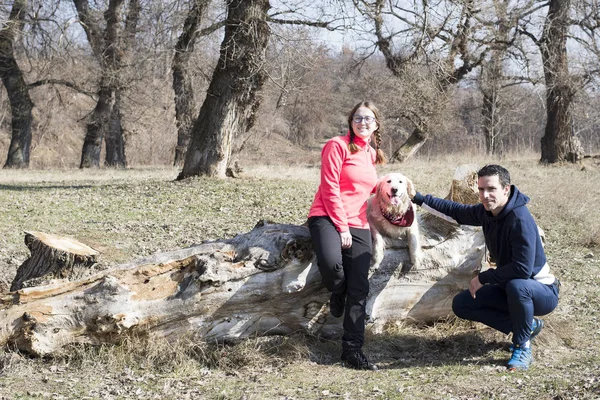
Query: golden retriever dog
[(391, 215)]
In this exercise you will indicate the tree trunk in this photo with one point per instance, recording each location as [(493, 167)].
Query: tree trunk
[(21, 105), (182, 85), (97, 127), (54, 256), (115, 143), (231, 100), (412, 144), (492, 75), (111, 47), (559, 142), (263, 282)]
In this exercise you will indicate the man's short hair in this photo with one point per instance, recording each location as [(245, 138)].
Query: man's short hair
[(493, 169)]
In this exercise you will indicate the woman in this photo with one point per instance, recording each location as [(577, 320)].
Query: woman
[(339, 228)]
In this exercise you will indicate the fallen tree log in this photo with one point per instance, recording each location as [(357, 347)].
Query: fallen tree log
[(262, 282)]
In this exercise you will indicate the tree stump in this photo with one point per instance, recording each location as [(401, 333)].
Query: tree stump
[(258, 283), (52, 257)]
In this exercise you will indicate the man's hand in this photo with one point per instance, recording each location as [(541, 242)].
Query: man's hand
[(410, 189), (474, 286), (346, 239)]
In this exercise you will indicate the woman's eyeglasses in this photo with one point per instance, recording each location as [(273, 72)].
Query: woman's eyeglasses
[(357, 119)]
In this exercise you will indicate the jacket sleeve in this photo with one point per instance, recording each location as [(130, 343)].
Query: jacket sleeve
[(332, 158), (522, 240), (464, 214)]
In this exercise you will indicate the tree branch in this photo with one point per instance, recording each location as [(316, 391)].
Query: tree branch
[(316, 24), (530, 35), (68, 84), (210, 29)]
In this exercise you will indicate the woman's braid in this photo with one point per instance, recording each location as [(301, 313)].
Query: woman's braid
[(380, 159), (352, 146)]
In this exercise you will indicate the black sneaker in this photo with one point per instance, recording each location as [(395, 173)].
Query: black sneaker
[(357, 360), (337, 302)]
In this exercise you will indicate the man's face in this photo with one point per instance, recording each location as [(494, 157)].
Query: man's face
[(491, 193)]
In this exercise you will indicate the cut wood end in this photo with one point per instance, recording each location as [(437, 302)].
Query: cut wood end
[(63, 243)]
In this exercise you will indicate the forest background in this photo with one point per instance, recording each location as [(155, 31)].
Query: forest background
[(128, 79)]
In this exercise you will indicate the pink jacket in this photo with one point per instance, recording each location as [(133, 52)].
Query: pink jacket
[(347, 180)]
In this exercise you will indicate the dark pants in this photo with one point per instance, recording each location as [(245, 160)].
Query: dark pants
[(510, 308), (345, 270)]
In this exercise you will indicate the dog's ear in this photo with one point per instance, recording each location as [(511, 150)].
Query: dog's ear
[(380, 184), (410, 188)]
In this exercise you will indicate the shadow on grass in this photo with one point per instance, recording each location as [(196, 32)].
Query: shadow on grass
[(29, 188), (404, 351), (393, 351)]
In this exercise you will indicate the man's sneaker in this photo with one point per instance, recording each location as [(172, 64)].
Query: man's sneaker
[(357, 360), (521, 359), (536, 328), (337, 302)]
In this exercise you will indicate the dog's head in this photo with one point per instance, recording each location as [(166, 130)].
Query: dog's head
[(392, 192)]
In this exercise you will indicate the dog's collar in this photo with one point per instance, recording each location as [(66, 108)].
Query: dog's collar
[(401, 220)]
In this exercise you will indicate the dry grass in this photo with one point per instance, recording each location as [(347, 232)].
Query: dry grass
[(131, 213)]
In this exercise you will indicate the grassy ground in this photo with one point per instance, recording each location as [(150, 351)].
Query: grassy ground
[(132, 213)]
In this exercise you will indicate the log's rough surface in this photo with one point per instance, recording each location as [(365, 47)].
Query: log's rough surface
[(52, 256), (261, 282)]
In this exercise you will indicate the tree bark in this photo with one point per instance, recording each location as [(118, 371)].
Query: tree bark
[(54, 256), (492, 75), (231, 100), (97, 127), (21, 105), (111, 47), (559, 142), (412, 144), (262, 282), (182, 85), (115, 142)]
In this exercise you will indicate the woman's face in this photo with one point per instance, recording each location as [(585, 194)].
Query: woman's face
[(360, 126)]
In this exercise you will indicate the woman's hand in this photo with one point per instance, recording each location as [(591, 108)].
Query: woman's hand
[(346, 239)]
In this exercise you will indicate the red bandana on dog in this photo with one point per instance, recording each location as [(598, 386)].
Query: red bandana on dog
[(401, 220)]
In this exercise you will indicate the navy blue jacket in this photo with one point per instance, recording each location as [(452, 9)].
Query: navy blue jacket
[(512, 238)]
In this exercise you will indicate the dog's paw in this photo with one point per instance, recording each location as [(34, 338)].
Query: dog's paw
[(417, 259), (376, 259), (406, 268)]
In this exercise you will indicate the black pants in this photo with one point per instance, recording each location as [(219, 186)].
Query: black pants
[(345, 271)]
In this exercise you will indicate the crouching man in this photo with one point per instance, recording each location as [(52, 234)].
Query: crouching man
[(508, 297)]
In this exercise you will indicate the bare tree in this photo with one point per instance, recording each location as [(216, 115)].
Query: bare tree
[(231, 100), (559, 142), (562, 24), (18, 92), (492, 78), (182, 85), (110, 45), (437, 37)]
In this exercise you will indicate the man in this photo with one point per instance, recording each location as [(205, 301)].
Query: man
[(507, 297)]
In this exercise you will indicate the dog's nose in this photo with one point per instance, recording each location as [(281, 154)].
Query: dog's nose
[(394, 190)]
